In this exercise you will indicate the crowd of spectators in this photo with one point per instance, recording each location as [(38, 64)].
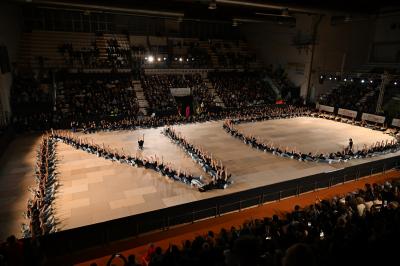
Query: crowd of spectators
[(358, 96), (80, 57), (239, 89), (91, 57), (85, 97), (158, 92), (290, 93), (31, 100), (40, 209), (357, 228), (118, 56)]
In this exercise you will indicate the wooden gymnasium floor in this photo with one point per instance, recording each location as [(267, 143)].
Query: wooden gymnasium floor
[(95, 190)]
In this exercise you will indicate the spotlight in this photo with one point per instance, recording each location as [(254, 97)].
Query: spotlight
[(330, 78), (180, 59), (345, 79), (321, 79), (187, 59), (395, 83), (151, 59), (212, 5), (371, 81), (159, 59), (176, 59), (362, 81), (335, 78), (165, 58)]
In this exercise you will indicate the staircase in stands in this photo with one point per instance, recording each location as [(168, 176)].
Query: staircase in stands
[(143, 103), (217, 99)]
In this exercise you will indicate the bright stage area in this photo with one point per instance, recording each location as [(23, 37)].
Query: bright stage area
[(94, 190)]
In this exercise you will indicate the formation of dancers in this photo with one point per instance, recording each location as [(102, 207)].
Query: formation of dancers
[(152, 163), (40, 207), (215, 168), (344, 155), (255, 112)]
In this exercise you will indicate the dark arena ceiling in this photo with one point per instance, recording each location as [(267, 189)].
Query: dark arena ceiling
[(229, 9)]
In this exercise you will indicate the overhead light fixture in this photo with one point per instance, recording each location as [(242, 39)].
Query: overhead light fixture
[(347, 18), (212, 5), (285, 12)]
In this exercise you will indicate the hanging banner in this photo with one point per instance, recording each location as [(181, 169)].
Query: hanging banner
[(396, 122), (347, 113), (326, 108), (373, 118), (180, 92)]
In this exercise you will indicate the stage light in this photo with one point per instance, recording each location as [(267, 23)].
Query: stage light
[(159, 59), (362, 81), (321, 79), (345, 79), (180, 59), (187, 59), (165, 58), (395, 83), (330, 78), (151, 59), (371, 81), (176, 59), (335, 78)]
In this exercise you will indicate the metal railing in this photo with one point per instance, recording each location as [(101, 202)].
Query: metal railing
[(163, 219)]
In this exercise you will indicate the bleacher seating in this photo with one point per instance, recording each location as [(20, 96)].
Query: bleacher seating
[(51, 49)]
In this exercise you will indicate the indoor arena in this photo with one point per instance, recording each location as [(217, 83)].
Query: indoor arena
[(211, 132)]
